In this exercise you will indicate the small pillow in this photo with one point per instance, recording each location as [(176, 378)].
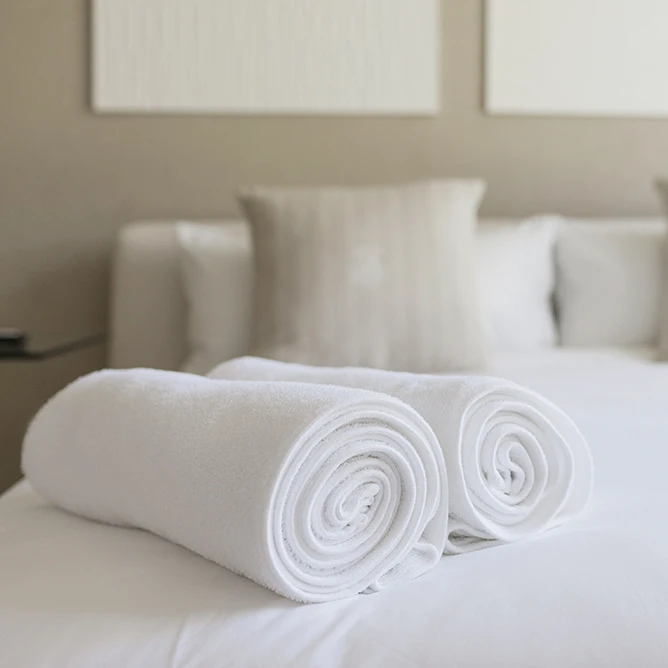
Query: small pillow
[(217, 275), (517, 281), (377, 277), (609, 277)]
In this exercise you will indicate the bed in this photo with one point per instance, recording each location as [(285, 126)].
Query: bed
[(593, 593)]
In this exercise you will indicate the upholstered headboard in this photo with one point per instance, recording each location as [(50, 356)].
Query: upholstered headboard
[(148, 309)]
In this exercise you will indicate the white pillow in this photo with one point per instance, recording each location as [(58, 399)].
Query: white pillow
[(609, 282), (381, 277), (217, 271), (516, 275)]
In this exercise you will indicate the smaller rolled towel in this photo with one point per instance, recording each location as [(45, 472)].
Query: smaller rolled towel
[(516, 464), (315, 492)]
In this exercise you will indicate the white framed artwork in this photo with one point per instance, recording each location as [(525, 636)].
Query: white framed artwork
[(577, 57), (266, 56)]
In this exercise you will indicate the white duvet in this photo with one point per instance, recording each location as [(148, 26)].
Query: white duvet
[(592, 593)]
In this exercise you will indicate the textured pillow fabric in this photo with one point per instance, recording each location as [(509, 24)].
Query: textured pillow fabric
[(217, 273), (609, 280), (515, 275), (517, 280), (378, 277)]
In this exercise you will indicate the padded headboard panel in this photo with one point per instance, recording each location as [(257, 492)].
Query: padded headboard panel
[(148, 309)]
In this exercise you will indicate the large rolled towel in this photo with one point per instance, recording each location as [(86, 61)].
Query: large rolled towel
[(516, 464), (315, 492)]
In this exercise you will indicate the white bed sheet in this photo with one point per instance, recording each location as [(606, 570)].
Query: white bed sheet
[(593, 593)]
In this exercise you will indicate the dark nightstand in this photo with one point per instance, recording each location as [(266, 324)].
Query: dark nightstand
[(14, 346)]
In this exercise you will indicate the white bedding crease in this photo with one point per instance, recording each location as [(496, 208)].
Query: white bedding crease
[(517, 465), (316, 492)]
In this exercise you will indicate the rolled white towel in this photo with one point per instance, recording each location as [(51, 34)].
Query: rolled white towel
[(315, 492), (516, 464)]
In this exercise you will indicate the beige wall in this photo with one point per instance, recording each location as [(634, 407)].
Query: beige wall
[(69, 179)]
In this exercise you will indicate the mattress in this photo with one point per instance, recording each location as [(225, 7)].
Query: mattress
[(594, 593)]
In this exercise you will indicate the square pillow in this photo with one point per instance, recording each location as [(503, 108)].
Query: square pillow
[(516, 272), (609, 282), (515, 275), (217, 273), (379, 277)]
